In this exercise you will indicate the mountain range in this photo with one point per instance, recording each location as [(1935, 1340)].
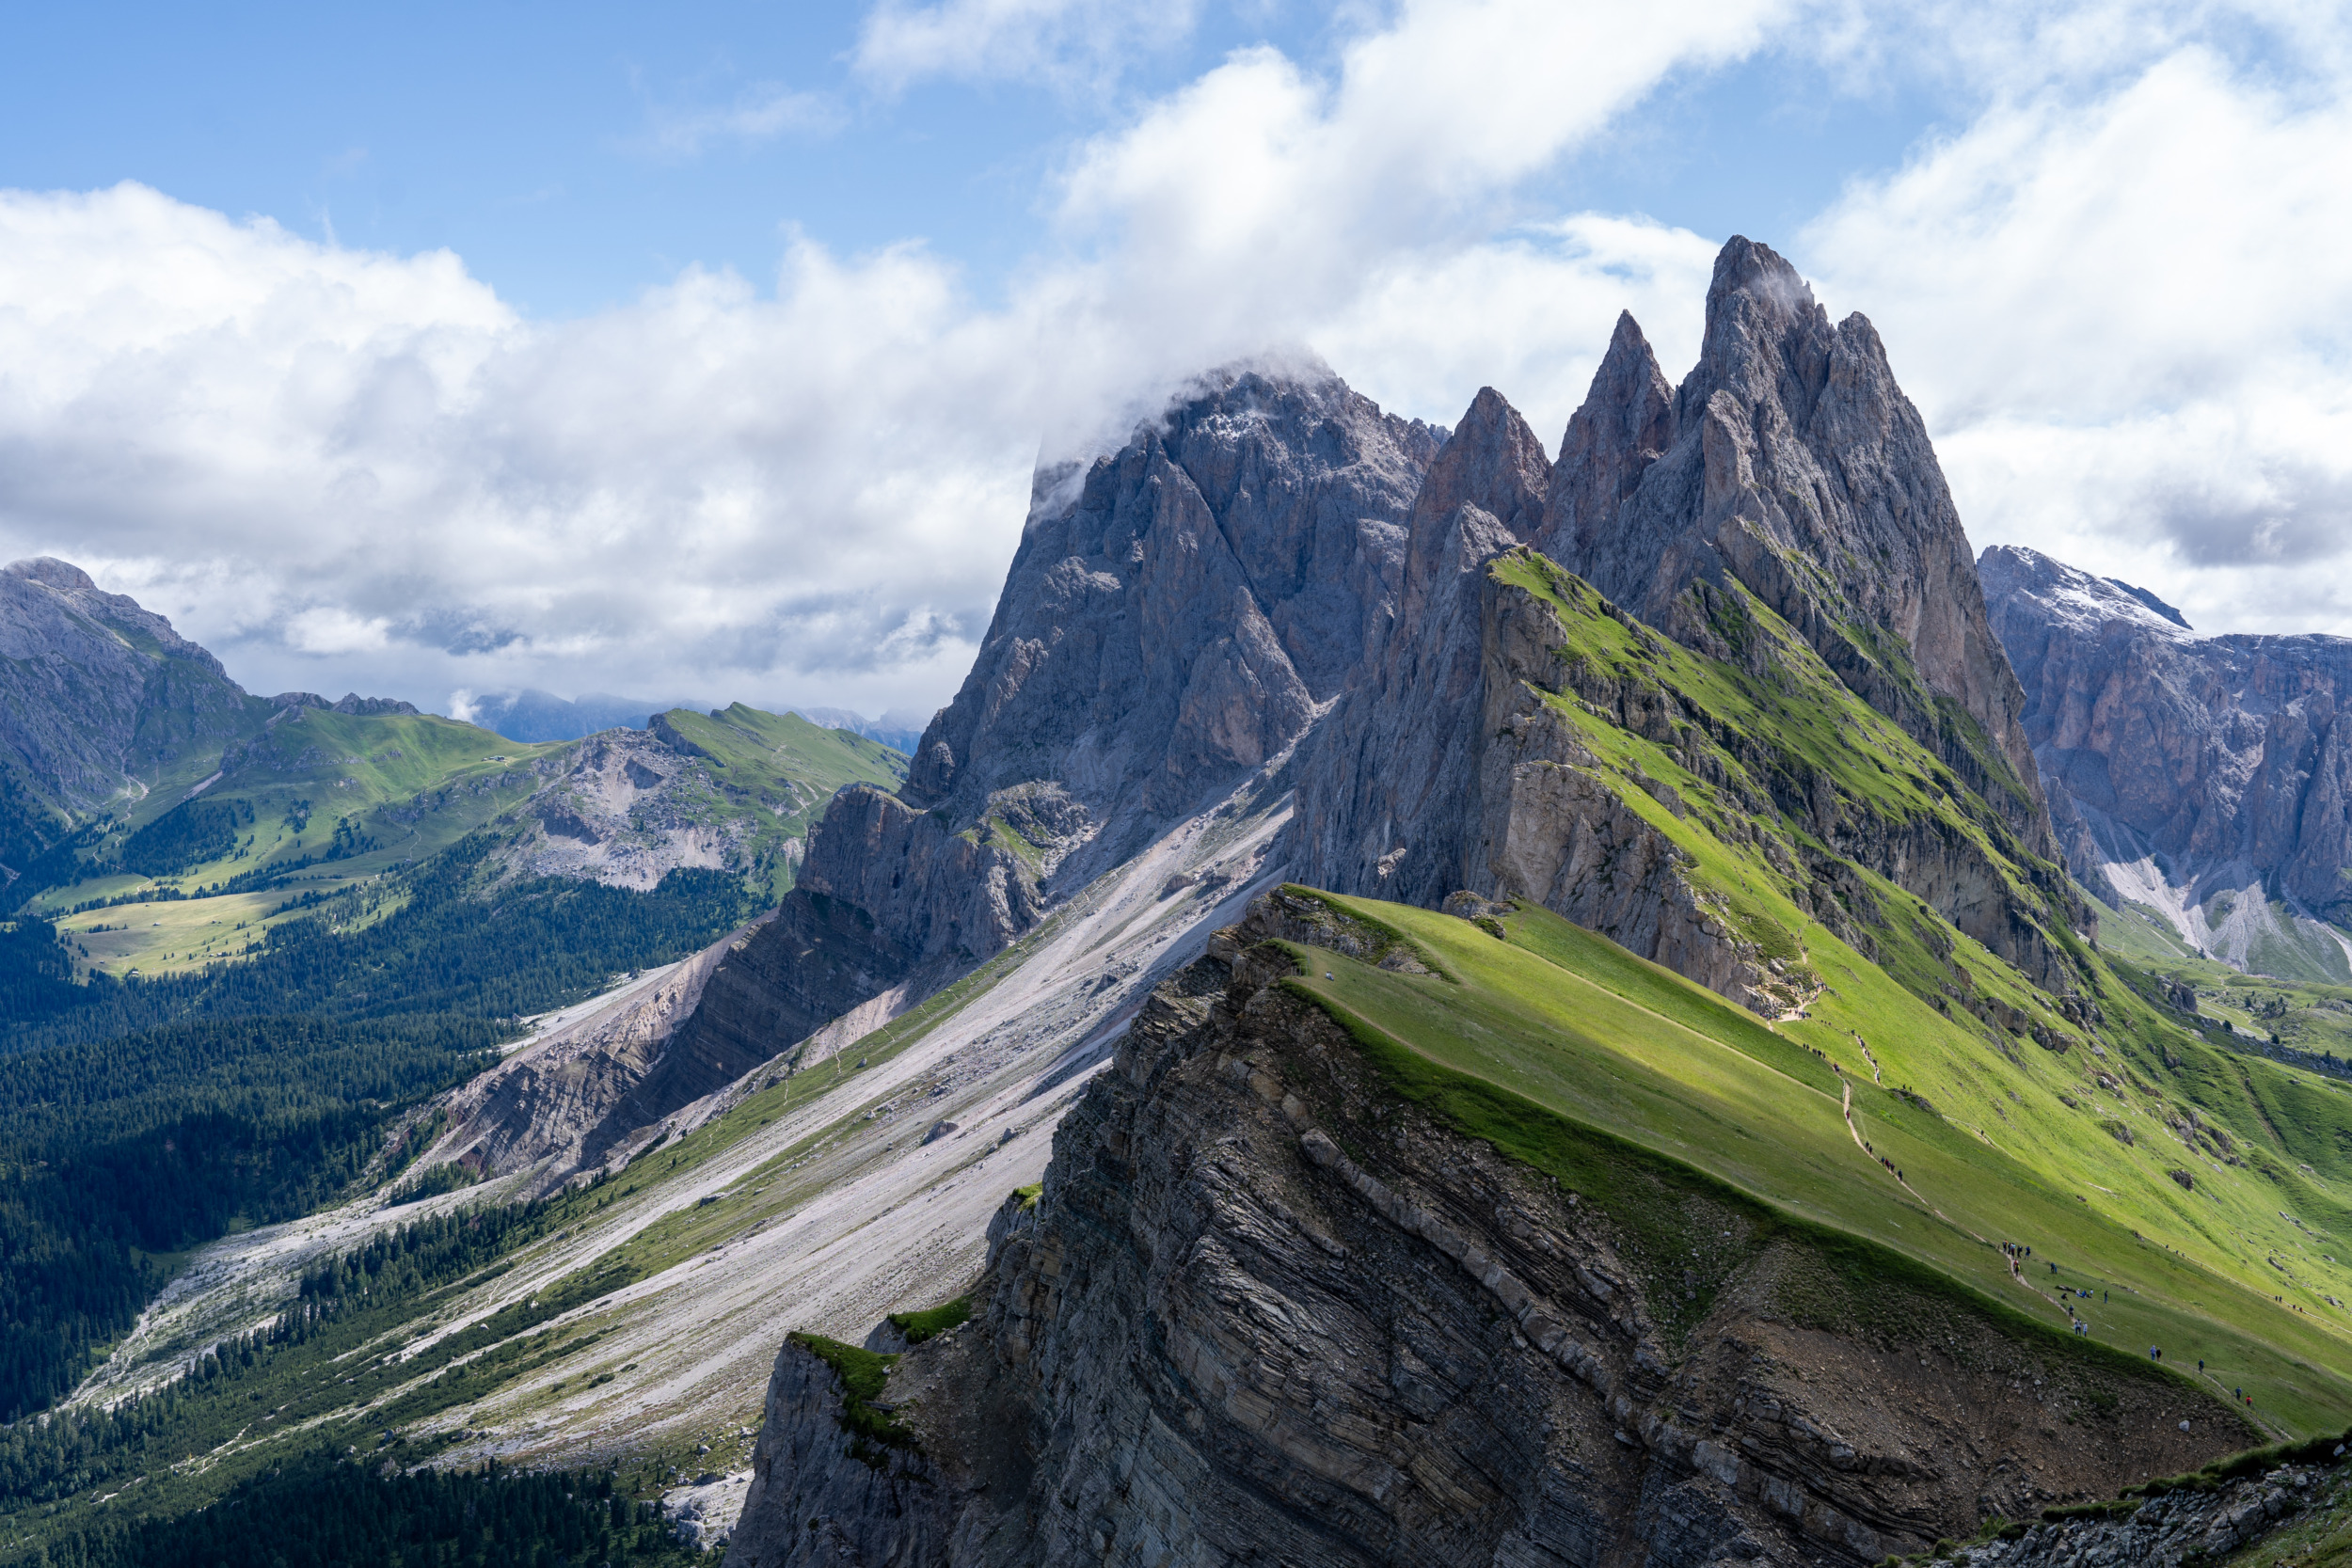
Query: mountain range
[(2205, 781), (1425, 1001), (530, 714)]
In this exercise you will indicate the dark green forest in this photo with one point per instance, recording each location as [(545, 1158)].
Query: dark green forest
[(142, 1118), (327, 1514)]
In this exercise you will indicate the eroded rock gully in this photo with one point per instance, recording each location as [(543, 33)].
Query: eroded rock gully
[(1268, 1312)]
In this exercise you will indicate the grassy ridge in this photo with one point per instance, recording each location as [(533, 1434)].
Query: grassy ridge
[(1558, 1018), (772, 773), (324, 801)]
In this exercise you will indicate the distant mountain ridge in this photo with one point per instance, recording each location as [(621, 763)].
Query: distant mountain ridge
[(2205, 779), (133, 767), (533, 715)]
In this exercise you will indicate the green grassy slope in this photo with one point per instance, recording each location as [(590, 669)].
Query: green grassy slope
[(2205, 1191), (324, 801), (776, 769), (1609, 1042), (318, 801)]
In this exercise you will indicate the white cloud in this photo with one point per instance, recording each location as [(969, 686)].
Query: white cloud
[(2127, 315), (341, 468), (1063, 43), (2122, 304), (761, 114), (1529, 314)]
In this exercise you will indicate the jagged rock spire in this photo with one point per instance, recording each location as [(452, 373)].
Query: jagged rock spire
[(1388, 799), (1790, 461), (1494, 462), (1626, 420)]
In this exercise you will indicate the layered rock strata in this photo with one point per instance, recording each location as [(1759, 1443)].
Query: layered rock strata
[(1265, 1312), (2209, 778)]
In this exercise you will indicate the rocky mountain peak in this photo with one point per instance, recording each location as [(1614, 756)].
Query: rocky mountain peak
[(1626, 422), (1178, 615), (72, 590), (1493, 462), (1767, 339), (50, 571), (2066, 594), (1185, 605), (93, 687), (1791, 464), (2206, 777)]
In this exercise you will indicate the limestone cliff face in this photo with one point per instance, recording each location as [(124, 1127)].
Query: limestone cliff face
[(1265, 1311), (2208, 777), (94, 690), (1790, 462), (1388, 798), (1176, 617), (1788, 467)]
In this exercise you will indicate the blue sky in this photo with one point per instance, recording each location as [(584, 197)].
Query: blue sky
[(576, 155), (708, 349)]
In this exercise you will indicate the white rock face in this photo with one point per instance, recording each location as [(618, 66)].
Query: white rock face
[(2206, 778)]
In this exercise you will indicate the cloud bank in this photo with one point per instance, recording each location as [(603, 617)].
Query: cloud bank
[(2117, 288)]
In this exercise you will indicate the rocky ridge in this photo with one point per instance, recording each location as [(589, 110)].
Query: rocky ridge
[(1176, 618), (598, 1088), (1789, 480), (1264, 1310), (2207, 779), (2169, 1530), (99, 700)]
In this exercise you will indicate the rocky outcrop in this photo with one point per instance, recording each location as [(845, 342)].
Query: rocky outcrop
[(1789, 461), (1442, 769), (602, 1087), (2207, 778), (1267, 1311), (574, 1092), (98, 699), (350, 703), (1177, 616), (2169, 1530)]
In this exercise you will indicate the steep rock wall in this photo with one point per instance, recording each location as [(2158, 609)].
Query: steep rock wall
[(2195, 766), (1388, 791), (1790, 461), (1266, 1313), (1178, 615)]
